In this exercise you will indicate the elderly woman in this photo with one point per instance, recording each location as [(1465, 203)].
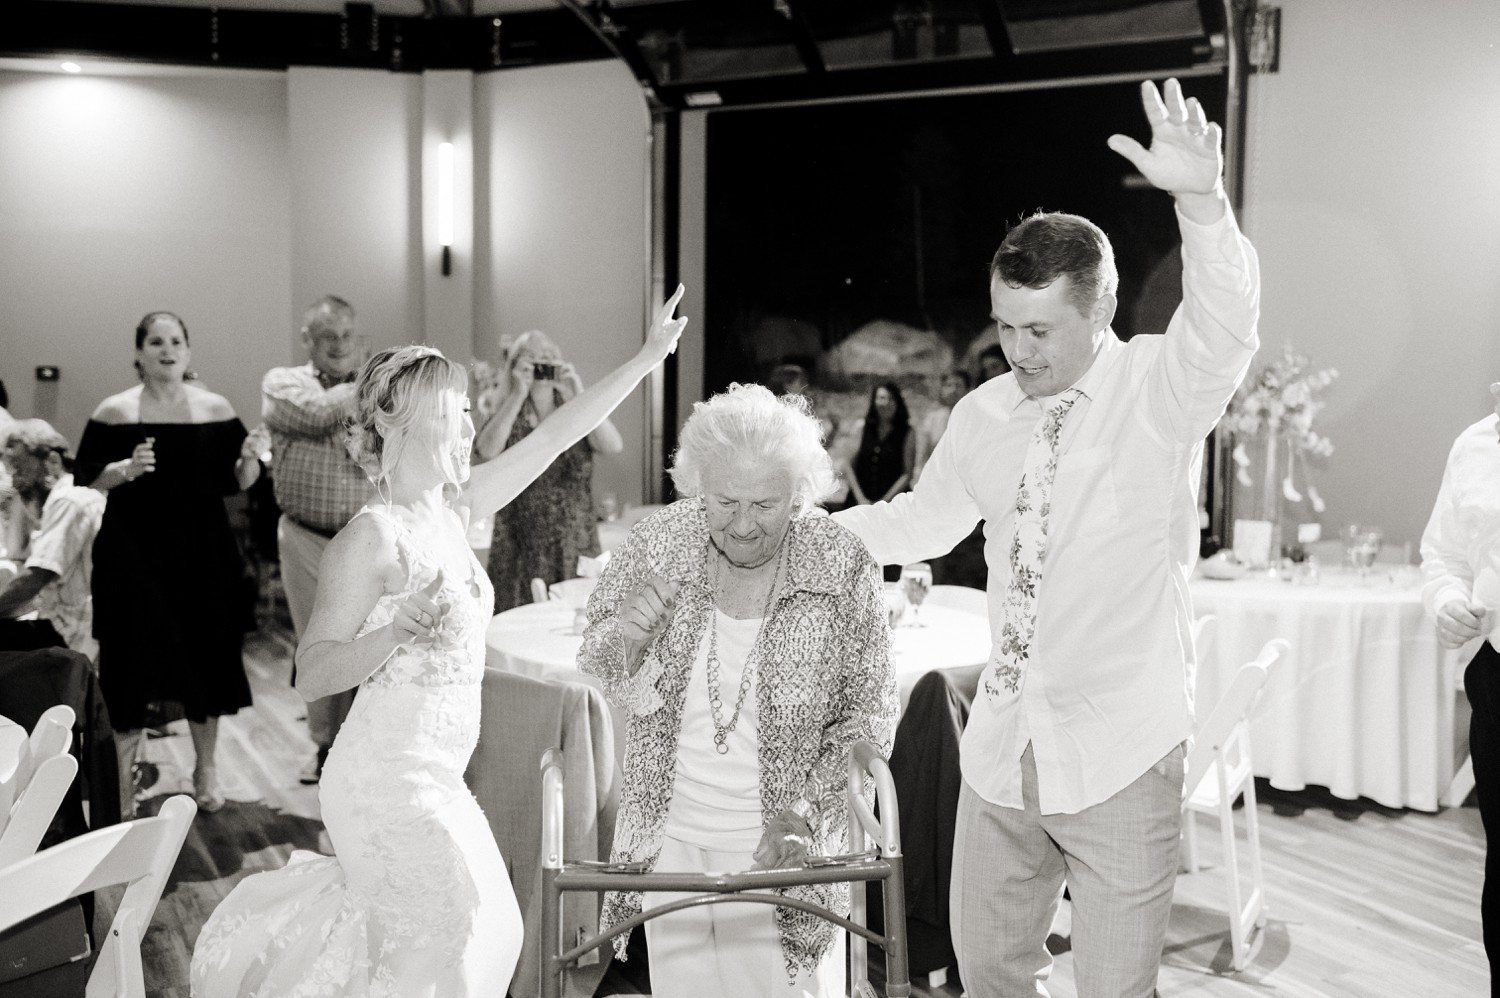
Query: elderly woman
[(747, 639)]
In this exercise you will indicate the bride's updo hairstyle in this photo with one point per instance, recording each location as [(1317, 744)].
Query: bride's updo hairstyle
[(398, 403)]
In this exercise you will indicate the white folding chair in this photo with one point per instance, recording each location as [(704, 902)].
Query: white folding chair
[(1204, 629), (1218, 770), (974, 601), (48, 740), (137, 853)]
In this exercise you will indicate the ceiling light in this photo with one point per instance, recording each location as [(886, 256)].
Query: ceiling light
[(71, 67)]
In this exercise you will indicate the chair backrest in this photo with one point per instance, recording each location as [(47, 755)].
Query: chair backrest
[(975, 601), (1204, 629), (32, 813), (1215, 731), (50, 738), (137, 853), (538, 591)]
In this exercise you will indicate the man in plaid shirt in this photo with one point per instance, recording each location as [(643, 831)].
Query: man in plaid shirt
[(318, 487)]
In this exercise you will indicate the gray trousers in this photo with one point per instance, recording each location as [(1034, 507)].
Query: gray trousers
[(1119, 859), (301, 552)]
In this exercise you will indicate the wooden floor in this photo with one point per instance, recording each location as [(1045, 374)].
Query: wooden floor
[(1363, 901)]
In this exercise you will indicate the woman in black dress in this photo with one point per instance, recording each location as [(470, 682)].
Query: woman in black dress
[(543, 531), (887, 449), (166, 567), (882, 468)]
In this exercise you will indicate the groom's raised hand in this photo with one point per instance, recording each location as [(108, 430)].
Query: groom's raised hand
[(1185, 157)]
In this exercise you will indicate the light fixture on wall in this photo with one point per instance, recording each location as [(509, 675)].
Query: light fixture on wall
[(445, 204), (71, 67)]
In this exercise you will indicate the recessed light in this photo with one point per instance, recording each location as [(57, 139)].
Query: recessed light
[(71, 67)]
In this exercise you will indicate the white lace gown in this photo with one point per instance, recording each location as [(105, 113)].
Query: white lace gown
[(416, 899)]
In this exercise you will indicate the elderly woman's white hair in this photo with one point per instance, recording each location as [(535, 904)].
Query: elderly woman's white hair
[(748, 425)]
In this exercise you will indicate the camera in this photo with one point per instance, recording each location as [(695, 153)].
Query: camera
[(544, 372)]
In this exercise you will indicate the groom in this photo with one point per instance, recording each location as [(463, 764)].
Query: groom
[(1083, 463)]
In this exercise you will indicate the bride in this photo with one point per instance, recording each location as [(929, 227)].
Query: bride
[(417, 901)]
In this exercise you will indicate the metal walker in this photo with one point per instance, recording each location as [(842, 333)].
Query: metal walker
[(882, 862)]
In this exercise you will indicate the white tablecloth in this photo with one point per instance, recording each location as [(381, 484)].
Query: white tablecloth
[(1363, 702), (11, 737), (537, 640)]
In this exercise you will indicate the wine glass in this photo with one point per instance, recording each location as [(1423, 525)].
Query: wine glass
[(1365, 546), (916, 580)]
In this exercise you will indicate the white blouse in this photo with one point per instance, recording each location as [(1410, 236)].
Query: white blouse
[(716, 798)]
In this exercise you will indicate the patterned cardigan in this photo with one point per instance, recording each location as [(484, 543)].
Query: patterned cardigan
[(825, 682)]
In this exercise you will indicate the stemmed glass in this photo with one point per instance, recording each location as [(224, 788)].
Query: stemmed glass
[(916, 580), (1362, 544)]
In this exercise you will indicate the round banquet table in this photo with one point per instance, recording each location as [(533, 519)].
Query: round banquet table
[(1362, 703), (537, 640)]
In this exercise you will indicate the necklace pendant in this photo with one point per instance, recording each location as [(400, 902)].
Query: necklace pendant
[(721, 748)]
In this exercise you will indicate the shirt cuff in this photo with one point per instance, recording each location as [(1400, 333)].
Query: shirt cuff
[(637, 694), (45, 563), (1217, 241), (1444, 593)]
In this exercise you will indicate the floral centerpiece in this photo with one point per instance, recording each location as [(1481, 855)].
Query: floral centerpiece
[(1278, 406)]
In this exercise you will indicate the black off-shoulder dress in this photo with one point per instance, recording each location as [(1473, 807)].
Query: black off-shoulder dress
[(166, 574)]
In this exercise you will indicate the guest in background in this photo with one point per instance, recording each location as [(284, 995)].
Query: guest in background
[(541, 534), (55, 578), (793, 379), (992, 363), (318, 485), (15, 521), (789, 379), (1461, 563), (747, 639), (887, 448), (953, 386), (166, 566), (1072, 759)]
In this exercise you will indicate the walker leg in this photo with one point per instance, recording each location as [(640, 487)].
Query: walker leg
[(893, 892), (551, 942)]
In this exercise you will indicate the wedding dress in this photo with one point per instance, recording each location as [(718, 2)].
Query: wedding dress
[(416, 899)]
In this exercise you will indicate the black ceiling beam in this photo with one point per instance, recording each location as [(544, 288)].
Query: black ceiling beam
[(802, 35), (1143, 59), (262, 39), (586, 29), (994, 28), (619, 42)]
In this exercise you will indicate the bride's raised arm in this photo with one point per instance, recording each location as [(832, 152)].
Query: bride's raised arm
[(495, 483)]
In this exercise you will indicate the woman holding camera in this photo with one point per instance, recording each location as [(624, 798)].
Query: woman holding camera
[(542, 533)]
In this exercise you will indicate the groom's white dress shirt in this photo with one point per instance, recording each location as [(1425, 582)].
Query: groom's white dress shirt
[(1461, 545), (1108, 690)]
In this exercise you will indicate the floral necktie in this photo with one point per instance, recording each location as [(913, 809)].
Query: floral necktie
[(1028, 547)]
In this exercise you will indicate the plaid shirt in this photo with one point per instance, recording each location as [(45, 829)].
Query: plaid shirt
[(317, 484)]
